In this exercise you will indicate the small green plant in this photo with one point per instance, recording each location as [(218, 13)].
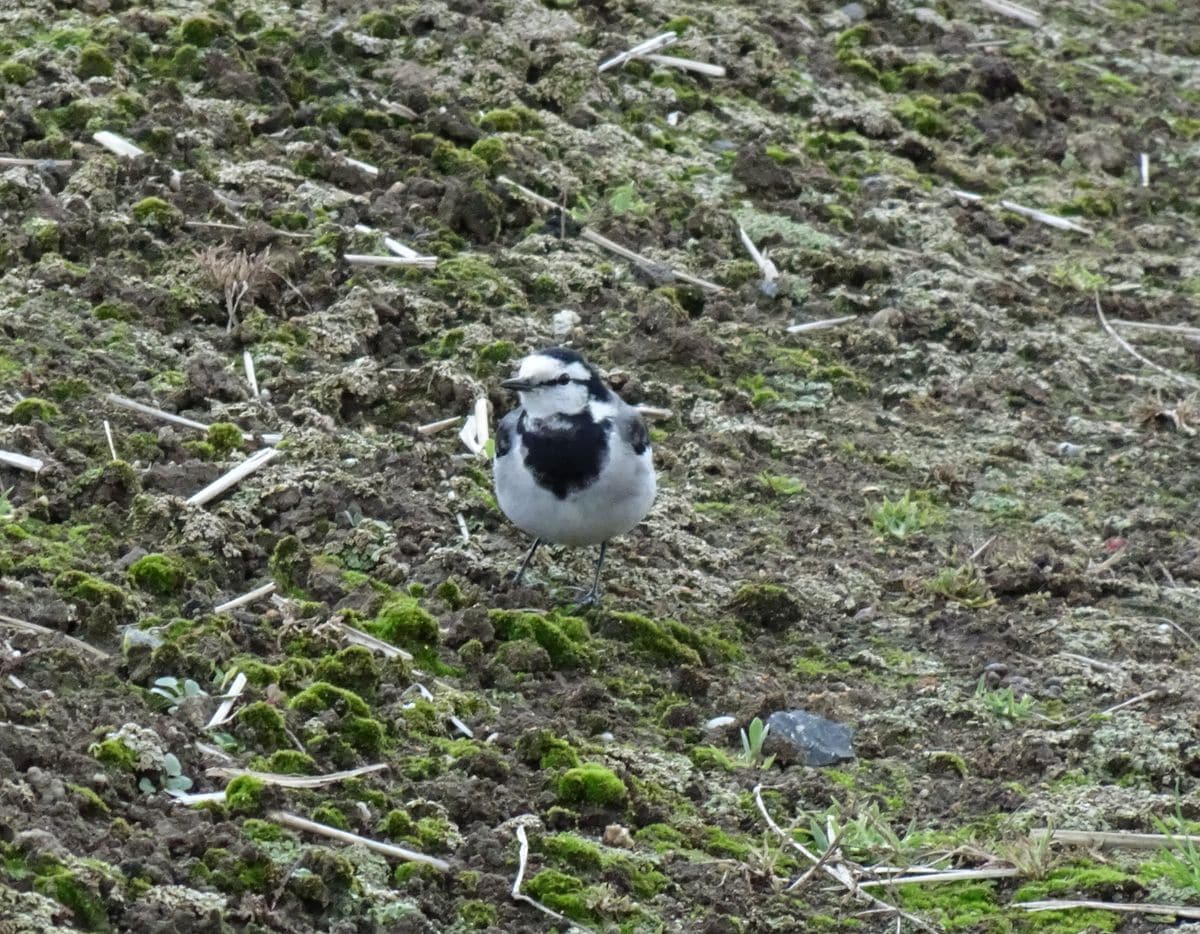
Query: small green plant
[(781, 486), (624, 200), (1181, 858), (1004, 704), (752, 745), (900, 518), (963, 584), (175, 691), (171, 780)]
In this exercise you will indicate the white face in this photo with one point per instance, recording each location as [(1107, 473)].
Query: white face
[(556, 388)]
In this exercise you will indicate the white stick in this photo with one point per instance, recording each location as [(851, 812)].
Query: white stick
[(1061, 904), (222, 716), (769, 270), (642, 48), (1042, 217), (132, 404), (294, 781), (118, 144), (21, 461), (378, 259), (462, 727), (362, 166), (1144, 166), (522, 862), (1015, 11), (251, 376), (1187, 330), (25, 626), (437, 426), (245, 598), (387, 849), (468, 433), (948, 875), (1128, 348), (820, 325), (462, 527), (1119, 839), (232, 477), (368, 641), (482, 429), (202, 797), (600, 240), (56, 163), (112, 448), (688, 64), (650, 411)]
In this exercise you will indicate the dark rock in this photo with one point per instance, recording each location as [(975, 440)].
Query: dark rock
[(820, 741)]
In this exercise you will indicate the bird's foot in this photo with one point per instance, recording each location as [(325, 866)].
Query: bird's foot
[(589, 598)]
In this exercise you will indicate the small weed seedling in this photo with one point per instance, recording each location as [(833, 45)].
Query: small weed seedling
[(900, 518), (752, 745), (172, 780), (1181, 858), (1004, 704), (175, 691)]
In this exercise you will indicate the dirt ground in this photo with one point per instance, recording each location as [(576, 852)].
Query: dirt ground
[(964, 521)]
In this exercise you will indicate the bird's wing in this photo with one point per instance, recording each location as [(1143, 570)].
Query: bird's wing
[(506, 432), (632, 429)]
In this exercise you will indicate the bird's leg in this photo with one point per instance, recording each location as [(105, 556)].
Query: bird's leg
[(525, 564), (592, 597)]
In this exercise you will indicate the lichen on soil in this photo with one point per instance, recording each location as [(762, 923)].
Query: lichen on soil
[(963, 523)]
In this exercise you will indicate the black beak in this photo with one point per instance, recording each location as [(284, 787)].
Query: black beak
[(519, 385)]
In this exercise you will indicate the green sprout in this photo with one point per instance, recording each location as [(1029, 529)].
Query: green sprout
[(752, 745)]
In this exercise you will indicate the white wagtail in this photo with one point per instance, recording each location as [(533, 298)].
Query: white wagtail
[(573, 463)]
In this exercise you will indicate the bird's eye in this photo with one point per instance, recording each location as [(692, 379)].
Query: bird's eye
[(563, 380)]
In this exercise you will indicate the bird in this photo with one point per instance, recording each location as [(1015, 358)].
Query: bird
[(573, 463)]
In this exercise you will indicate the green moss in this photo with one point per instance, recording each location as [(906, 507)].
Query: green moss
[(563, 638), (710, 758), (545, 750), (261, 726), (225, 438), (955, 906), (261, 831), (509, 120), (161, 575), (94, 62), (289, 564), (717, 842), (381, 25), (476, 914), (244, 795), (322, 696), (365, 736), (155, 212), (660, 837), (115, 753), (922, 113), (200, 30), (90, 590), (491, 150), (591, 784), (86, 907), (451, 593), (564, 894), (353, 667), (328, 814), (289, 762), (767, 606), (496, 353), (653, 640), (90, 803), (32, 409), (450, 160), (17, 72), (404, 622), (573, 850)]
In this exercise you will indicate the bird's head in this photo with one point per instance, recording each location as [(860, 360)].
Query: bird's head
[(556, 381)]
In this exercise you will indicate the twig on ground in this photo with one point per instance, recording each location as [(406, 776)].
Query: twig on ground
[(648, 47), (1140, 908), (296, 822), (112, 448), (1144, 169), (517, 895), (222, 715), (820, 325), (946, 875), (251, 375), (250, 597), (56, 163), (25, 626), (1014, 11), (602, 241), (839, 874), (378, 259), (284, 780), (1187, 330), (1045, 217), (22, 461), (770, 272), (1155, 694), (118, 144), (1120, 840), (687, 64), (233, 477), (135, 406), (368, 641), (1128, 348), (440, 425)]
